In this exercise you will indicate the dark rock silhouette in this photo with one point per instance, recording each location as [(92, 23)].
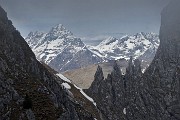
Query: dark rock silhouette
[(154, 95), (21, 73)]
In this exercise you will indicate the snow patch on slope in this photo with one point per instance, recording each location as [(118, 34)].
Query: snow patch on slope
[(124, 111), (66, 85), (63, 78), (85, 95)]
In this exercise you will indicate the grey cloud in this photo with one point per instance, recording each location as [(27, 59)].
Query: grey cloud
[(84, 17)]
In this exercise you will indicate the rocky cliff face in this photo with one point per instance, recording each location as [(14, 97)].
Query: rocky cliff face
[(154, 95), (163, 75), (21, 74)]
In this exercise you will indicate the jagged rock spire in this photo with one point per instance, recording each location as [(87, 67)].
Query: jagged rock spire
[(137, 66), (116, 73), (98, 77), (130, 68), (134, 67), (99, 73)]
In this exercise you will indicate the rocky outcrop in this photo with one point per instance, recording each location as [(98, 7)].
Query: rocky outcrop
[(117, 91), (154, 95), (21, 74)]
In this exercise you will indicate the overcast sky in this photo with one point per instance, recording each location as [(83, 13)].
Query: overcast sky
[(86, 17)]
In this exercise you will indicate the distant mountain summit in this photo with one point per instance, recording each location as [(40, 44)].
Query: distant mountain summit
[(60, 49), (58, 30), (141, 45), (130, 45), (48, 45), (35, 38)]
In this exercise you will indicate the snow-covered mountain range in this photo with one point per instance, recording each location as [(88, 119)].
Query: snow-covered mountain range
[(60, 49), (130, 45)]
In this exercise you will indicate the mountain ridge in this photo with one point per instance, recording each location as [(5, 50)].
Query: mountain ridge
[(128, 45), (63, 48)]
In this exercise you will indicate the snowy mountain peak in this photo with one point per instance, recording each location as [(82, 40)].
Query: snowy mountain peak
[(138, 45), (60, 26), (35, 34), (108, 41), (59, 31), (34, 38), (149, 35), (139, 35), (59, 48), (47, 46), (30, 34)]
